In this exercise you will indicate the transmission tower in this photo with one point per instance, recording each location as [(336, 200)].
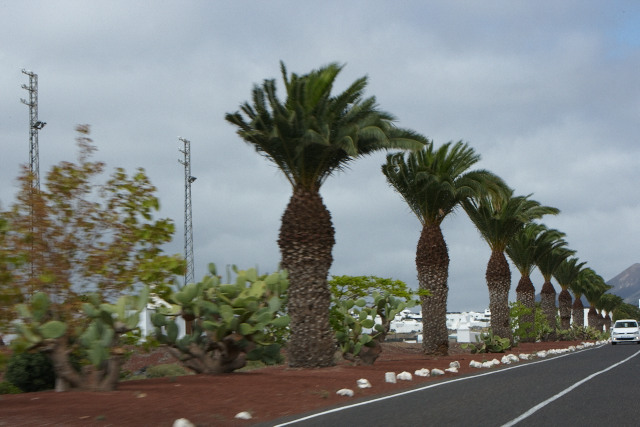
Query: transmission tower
[(188, 224), (34, 126)]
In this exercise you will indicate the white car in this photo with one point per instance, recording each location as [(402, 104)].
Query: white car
[(625, 330)]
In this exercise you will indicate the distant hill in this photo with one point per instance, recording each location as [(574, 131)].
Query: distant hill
[(627, 285)]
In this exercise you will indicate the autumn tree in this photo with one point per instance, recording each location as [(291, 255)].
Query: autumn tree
[(85, 242)]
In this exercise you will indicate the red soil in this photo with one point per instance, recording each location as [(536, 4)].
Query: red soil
[(266, 393)]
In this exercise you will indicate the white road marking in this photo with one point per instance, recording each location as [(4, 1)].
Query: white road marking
[(565, 391), (342, 408)]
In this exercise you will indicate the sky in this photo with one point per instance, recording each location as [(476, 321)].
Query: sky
[(547, 92)]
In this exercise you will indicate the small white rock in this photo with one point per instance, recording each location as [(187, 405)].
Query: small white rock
[(424, 372), (452, 370), (541, 354), (183, 422), (436, 372), (572, 348), (487, 365), (404, 376), (495, 362), (455, 364), (243, 415), (524, 356), (363, 383), (390, 377), (345, 392), (475, 364)]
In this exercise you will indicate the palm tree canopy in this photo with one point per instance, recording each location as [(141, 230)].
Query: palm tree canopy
[(500, 217), (609, 302), (567, 272), (434, 181), (529, 244), (550, 261), (313, 134), (592, 285)]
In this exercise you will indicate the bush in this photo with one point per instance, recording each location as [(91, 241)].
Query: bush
[(7, 388), (166, 370), (30, 372), (488, 343)]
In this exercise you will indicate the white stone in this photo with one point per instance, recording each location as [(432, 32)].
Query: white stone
[(455, 364), (404, 376), (475, 364), (524, 356), (390, 377), (243, 416), (495, 362), (572, 348), (436, 372), (183, 422), (424, 372), (541, 354), (363, 383), (452, 370), (345, 392), (487, 365)]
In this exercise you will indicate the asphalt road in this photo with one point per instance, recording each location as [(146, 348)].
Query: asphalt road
[(592, 387)]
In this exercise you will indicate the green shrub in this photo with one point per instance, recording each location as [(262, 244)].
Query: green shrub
[(488, 343), (30, 372), (7, 388), (166, 370)]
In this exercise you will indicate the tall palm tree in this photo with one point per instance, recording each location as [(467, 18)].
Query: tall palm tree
[(524, 250), (498, 219), (594, 287), (608, 303), (577, 287), (566, 273), (311, 135), (547, 264), (434, 182)]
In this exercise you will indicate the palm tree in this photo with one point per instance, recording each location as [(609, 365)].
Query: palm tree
[(524, 250), (594, 287), (608, 303), (578, 287), (547, 264), (434, 182), (566, 273), (498, 219), (310, 136)]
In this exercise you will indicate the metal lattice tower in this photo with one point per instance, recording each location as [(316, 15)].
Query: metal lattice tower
[(34, 126), (188, 224)]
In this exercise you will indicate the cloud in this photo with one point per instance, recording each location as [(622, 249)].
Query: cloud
[(546, 92)]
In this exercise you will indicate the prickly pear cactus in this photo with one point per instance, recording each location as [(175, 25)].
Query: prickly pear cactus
[(231, 322), (36, 328), (99, 340), (357, 333)]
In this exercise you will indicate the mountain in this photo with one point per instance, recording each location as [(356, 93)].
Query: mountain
[(627, 284)]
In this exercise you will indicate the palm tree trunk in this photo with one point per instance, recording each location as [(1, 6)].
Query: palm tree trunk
[(564, 303), (593, 318), (548, 306), (577, 311), (432, 263), (306, 240), (526, 295), (498, 278)]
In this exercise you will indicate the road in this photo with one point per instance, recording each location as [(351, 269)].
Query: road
[(592, 387)]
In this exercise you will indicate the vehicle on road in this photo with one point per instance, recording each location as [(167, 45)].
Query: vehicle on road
[(625, 330)]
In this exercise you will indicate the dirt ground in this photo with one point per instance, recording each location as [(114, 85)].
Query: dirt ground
[(266, 393)]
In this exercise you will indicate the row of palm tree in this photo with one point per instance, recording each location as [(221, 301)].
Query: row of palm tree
[(312, 134)]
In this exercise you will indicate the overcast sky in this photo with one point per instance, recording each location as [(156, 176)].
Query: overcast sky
[(547, 92)]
